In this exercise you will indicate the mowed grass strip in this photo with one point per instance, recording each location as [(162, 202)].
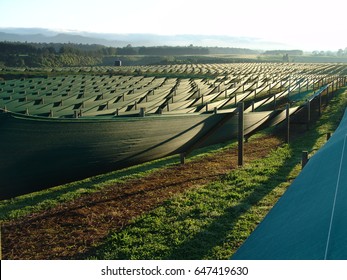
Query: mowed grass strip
[(213, 221)]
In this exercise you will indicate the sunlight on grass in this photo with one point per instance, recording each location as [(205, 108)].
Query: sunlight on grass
[(213, 221)]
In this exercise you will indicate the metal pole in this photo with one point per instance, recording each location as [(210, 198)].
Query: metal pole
[(240, 133), (183, 158), (142, 112), (304, 158), (328, 136), (308, 104), (287, 124), (320, 105)]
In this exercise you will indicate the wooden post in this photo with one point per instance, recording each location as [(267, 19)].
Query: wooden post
[(240, 133), (215, 110), (287, 124), (304, 158)]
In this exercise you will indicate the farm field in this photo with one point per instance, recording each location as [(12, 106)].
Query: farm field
[(214, 203)]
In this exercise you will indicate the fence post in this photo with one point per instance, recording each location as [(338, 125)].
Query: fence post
[(304, 158), (308, 104), (287, 124), (240, 133), (183, 158), (142, 112), (328, 136), (320, 105)]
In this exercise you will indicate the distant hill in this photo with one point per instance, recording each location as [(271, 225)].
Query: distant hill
[(38, 35), (46, 37)]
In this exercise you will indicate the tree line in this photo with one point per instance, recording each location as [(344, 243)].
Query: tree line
[(15, 54)]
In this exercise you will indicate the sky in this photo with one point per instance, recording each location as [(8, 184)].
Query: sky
[(308, 25)]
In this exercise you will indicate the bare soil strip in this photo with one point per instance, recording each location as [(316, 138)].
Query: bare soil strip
[(70, 229)]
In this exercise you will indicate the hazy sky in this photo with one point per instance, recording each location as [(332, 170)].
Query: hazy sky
[(310, 25)]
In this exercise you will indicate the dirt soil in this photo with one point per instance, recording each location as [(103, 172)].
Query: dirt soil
[(72, 228)]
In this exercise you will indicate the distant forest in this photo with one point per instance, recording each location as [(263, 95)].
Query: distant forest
[(58, 55)]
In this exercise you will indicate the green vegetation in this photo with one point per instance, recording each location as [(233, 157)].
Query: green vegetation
[(62, 55), (198, 224), (213, 221)]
